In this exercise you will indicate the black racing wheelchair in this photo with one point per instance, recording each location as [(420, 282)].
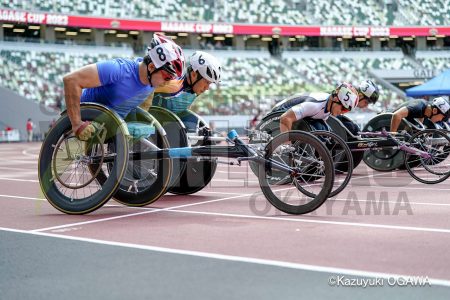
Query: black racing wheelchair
[(422, 151), (389, 159), (131, 160), (334, 138)]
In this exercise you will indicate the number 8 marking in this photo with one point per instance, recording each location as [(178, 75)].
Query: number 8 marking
[(161, 55)]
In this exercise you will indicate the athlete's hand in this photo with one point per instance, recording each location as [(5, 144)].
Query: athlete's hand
[(284, 149), (85, 131)]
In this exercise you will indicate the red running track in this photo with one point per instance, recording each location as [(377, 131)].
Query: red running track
[(382, 222)]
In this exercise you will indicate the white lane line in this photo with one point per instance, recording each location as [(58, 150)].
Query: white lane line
[(253, 181), (239, 194), (25, 153), (45, 200), (21, 197), (344, 199), (297, 219), (429, 187), (220, 193), (248, 172), (351, 187), (19, 169), (20, 180), (243, 180), (22, 175), (267, 262), (291, 219), (17, 162), (137, 214), (256, 181)]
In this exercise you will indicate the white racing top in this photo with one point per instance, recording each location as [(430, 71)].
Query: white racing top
[(313, 105)]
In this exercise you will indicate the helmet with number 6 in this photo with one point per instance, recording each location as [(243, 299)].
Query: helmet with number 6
[(207, 66), (442, 105), (166, 55), (369, 90), (347, 95)]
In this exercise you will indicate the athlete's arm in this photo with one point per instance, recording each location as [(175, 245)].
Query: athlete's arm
[(74, 82), (397, 118), (148, 102), (286, 120)]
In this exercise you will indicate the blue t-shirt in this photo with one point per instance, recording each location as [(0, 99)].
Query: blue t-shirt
[(121, 88)]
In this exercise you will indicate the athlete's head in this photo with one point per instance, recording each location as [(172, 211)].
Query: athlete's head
[(368, 93), (343, 99), (440, 109), (164, 60), (203, 69)]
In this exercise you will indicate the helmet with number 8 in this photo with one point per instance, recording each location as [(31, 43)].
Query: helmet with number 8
[(166, 55), (347, 95), (206, 65), (442, 105)]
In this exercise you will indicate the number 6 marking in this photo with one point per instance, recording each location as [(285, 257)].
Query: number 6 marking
[(201, 61)]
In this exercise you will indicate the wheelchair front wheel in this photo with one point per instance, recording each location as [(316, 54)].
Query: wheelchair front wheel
[(66, 173), (311, 159)]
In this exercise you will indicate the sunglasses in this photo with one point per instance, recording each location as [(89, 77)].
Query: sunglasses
[(167, 76), (343, 108)]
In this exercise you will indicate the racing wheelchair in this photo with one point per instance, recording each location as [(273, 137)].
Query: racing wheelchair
[(130, 160), (388, 159), (334, 138), (423, 152)]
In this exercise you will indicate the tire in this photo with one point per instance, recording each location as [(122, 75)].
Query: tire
[(270, 124), (317, 152), (197, 174), (60, 148), (145, 181), (385, 160), (341, 129), (342, 159), (435, 169), (176, 135)]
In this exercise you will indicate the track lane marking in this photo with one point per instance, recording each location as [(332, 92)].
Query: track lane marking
[(15, 179), (19, 169), (278, 218), (152, 210), (267, 262), (231, 193), (302, 220)]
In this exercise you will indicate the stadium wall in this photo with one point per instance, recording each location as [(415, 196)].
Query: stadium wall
[(15, 111)]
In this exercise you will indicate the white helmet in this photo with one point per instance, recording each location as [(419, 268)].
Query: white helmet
[(441, 104), (347, 95), (207, 65), (369, 90), (166, 55)]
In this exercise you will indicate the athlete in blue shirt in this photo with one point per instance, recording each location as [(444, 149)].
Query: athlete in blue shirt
[(121, 84), (177, 96)]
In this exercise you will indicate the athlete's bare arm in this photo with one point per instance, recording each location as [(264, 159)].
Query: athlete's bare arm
[(74, 82), (286, 120), (397, 118)]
